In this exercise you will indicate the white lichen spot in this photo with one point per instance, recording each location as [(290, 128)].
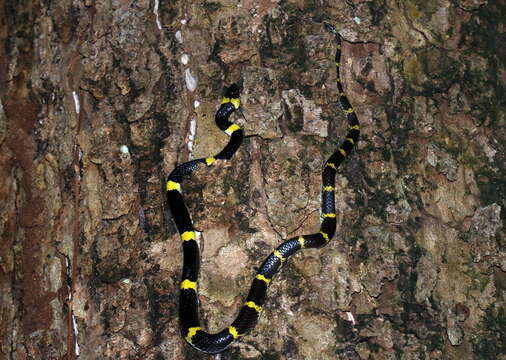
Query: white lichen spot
[(191, 136), (183, 21), (185, 59), (191, 82), (125, 281), (350, 317), (179, 37), (196, 104), (76, 332), (124, 149), (76, 102), (357, 20), (155, 11)]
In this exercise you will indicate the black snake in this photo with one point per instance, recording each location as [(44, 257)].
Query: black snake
[(250, 311)]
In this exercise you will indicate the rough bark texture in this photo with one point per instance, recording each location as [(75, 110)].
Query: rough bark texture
[(100, 99)]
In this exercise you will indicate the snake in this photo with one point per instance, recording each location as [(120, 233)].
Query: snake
[(249, 313)]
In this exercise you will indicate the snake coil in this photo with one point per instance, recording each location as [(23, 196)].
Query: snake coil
[(250, 311)]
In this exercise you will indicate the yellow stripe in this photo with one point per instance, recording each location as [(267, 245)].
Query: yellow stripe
[(348, 111), (233, 331), (278, 255), (188, 284), (188, 235), (338, 64), (329, 215), (355, 127), (338, 80), (302, 242), (231, 129), (263, 278), (342, 94), (210, 161), (191, 333), (341, 150), (328, 188), (332, 165), (172, 185), (325, 235), (234, 101), (351, 140), (252, 305)]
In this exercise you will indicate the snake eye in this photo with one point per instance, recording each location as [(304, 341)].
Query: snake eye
[(232, 92)]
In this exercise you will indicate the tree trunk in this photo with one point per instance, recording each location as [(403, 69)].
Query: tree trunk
[(99, 100)]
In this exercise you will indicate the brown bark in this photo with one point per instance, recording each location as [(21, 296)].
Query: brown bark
[(100, 99)]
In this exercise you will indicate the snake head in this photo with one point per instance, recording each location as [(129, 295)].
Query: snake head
[(331, 28), (232, 92)]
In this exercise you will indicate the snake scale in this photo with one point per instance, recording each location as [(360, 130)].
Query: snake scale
[(249, 313)]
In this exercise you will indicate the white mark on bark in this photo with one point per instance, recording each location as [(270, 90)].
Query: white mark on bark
[(196, 104), (76, 332), (155, 11), (124, 149), (350, 317), (357, 20), (179, 37), (76, 102), (185, 59), (191, 82), (191, 137)]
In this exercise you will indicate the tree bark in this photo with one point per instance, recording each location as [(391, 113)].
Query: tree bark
[(99, 100)]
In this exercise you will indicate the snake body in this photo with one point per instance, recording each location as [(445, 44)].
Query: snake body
[(250, 311)]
